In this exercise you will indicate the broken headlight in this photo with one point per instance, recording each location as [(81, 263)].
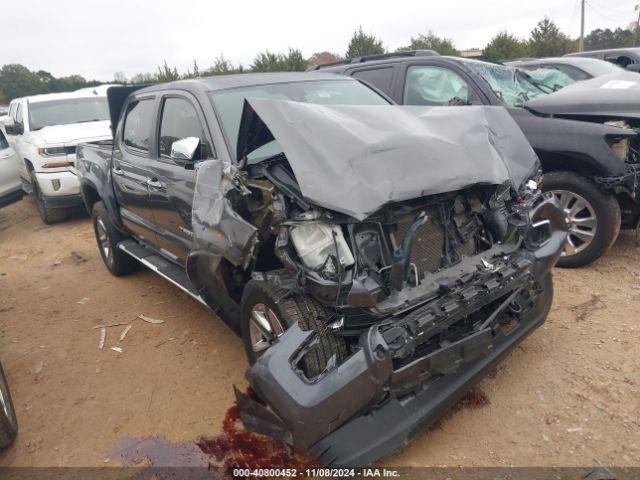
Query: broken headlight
[(320, 246), (619, 145)]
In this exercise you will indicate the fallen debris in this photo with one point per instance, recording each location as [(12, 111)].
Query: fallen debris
[(38, 371), (150, 320), (103, 337), (125, 331), (18, 258), (117, 349), (110, 325), (83, 301)]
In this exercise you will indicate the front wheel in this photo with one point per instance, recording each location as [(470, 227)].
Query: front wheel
[(266, 314), (108, 237), (593, 217), (47, 214), (8, 420)]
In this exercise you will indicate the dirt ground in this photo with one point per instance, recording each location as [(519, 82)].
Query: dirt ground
[(568, 396)]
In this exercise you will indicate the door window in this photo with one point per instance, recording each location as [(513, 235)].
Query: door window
[(137, 125), (3, 141), (429, 85), (378, 77), (179, 120)]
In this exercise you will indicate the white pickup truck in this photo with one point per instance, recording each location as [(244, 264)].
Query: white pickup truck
[(44, 131)]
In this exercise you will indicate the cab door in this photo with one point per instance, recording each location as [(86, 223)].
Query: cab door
[(171, 193), (131, 168)]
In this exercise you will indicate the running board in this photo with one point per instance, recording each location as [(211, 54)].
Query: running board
[(169, 271)]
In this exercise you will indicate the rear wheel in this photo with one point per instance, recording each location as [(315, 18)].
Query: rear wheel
[(8, 420), (593, 217), (117, 262), (47, 214), (265, 316)]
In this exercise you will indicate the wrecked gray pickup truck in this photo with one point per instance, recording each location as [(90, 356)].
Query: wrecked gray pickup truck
[(377, 259)]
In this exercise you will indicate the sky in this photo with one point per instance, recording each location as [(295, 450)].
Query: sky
[(98, 38)]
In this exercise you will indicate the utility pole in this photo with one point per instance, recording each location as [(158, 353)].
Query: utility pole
[(635, 31), (581, 42)]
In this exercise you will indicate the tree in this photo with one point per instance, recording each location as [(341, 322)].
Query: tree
[(279, 62), (18, 81), (167, 74), (505, 46), (430, 41), (618, 38), (119, 77), (143, 78), (362, 44), (547, 40), (319, 58)]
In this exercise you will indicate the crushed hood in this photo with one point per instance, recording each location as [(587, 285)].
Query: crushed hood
[(74, 133), (616, 95), (355, 159)]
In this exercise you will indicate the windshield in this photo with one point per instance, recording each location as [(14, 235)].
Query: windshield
[(512, 85), (229, 103), (598, 68), (64, 112)]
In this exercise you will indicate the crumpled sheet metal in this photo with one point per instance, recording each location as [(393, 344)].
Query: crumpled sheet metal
[(217, 228), (355, 159)]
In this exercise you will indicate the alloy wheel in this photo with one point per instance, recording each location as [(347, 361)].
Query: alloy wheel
[(5, 402), (103, 240), (581, 220), (264, 328)]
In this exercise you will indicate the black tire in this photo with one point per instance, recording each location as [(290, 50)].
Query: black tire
[(117, 262), (606, 211), (8, 420), (47, 214), (300, 309)]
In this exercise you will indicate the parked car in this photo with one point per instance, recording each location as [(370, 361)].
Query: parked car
[(576, 68), (588, 145), (377, 259), (44, 131), (10, 185), (628, 58), (8, 420)]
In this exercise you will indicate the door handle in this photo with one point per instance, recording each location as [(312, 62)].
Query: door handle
[(118, 171), (155, 183)]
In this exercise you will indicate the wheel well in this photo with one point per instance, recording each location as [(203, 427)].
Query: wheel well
[(90, 197), (583, 165), (29, 165)]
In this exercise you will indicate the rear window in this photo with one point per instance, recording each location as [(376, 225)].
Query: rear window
[(137, 125)]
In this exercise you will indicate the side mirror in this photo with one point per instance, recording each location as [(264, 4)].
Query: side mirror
[(633, 67), (13, 128), (183, 151)]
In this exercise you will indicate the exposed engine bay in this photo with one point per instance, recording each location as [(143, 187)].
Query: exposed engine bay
[(400, 289)]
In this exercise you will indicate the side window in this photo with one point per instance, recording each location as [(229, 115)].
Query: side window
[(428, 85), (378, 77), (571, 71), (19, 114), (137, 125), (3, 141), (179, 120)]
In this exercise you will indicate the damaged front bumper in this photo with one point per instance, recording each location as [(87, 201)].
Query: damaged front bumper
[(372, 404)]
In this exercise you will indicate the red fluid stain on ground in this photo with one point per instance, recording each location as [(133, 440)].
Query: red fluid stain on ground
[(238, 448), (473, 399), (233, 448)]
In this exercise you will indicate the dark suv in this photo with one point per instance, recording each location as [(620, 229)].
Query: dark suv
[(585, 135)]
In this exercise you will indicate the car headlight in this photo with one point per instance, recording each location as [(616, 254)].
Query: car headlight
[(316, 242), (52, 151), (620, 146)]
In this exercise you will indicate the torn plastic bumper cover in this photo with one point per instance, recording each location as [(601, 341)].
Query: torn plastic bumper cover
[(371, 404)]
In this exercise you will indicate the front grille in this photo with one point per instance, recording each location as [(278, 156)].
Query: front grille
[(428, 243)]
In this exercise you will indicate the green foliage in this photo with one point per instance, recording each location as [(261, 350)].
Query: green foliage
[(505, 46), (268, 61), (362, 44), (167, 74), (430, 41), (601, 39), (18, 81), (547, 40)]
